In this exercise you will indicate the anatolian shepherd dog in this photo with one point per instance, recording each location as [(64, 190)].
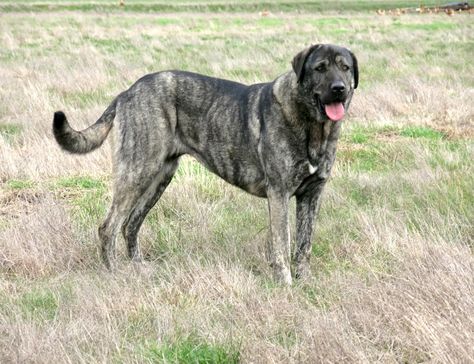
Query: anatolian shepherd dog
[(273, 140)]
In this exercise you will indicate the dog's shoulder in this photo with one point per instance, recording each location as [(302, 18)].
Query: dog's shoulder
[(284, 86), (285, 93)]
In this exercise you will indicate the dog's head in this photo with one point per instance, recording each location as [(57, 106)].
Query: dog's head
[(327, 76)]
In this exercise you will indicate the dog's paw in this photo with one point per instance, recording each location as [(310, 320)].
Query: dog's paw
[(302, 271), (282, 275)]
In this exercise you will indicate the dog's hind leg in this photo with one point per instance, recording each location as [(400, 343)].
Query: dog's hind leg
[(146, 201), (123, 201), (129, 186)]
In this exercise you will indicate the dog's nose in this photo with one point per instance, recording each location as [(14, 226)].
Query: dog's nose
[(338, 87)]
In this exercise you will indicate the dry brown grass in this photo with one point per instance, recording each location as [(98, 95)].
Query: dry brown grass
[(393, 269), (420, 310)]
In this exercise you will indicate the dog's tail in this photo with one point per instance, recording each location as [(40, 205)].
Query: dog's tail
[(86, 140)]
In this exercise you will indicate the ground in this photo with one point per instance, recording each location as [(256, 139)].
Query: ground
[(392, 264)]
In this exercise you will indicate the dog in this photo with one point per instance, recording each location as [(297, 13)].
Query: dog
[(273, 140)]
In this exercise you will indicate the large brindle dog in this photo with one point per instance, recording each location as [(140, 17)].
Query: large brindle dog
[(273, 140)]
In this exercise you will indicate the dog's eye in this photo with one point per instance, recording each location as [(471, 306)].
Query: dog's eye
[(345, 67), (320, 68)]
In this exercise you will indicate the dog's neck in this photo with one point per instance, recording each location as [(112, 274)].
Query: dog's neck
[(286, 92), (321, 136)]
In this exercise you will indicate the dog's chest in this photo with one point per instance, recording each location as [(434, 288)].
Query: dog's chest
[(321, 141)]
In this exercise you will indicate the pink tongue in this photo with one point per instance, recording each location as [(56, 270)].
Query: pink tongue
[(335, 111)]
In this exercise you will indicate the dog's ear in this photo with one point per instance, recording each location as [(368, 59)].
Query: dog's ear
[(300, 59), (355, 66)]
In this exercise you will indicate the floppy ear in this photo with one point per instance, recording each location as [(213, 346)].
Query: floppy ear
[(356, 70), (300, 59)]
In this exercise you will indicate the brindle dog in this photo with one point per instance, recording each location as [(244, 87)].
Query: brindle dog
[(273, 140)]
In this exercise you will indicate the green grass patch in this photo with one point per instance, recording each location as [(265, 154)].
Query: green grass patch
[(10, 131), (238, 222), (87, 197), (166, 21), (368, 159), (9, 55), (39, 304), (376, 150), (112, 45), (379, 69), (81, 182), (381, 262), (206, 183), (435, 26), (322, 298), (192, 350), (89, 201), (285, 337), (336, 224), (90, 207), (364, 134), (18, 184), (270, 22), (421, 132), (452, 196), (321, 249), (359, 137), (166, 223), (450, 155), (84, 99), (330, 22), (360, 195), (138, 325), (211, 6)]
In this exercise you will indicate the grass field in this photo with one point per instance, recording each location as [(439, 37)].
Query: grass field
[(393, 265)]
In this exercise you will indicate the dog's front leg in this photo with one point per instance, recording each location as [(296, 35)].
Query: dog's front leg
[(280, 236), (307, 208)]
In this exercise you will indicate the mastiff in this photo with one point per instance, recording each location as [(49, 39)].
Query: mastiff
[(273, 140)]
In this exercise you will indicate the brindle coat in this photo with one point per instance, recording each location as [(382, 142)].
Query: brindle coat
[(273, 140)]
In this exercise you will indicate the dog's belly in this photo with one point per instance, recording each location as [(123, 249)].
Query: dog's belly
[(236, 170)]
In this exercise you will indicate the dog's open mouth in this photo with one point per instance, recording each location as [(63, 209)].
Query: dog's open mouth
[(335, 111)]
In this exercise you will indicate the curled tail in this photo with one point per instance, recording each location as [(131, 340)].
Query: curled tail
[(86, 140)]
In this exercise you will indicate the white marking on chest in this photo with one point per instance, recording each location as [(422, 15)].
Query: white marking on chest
[(312, 168)]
